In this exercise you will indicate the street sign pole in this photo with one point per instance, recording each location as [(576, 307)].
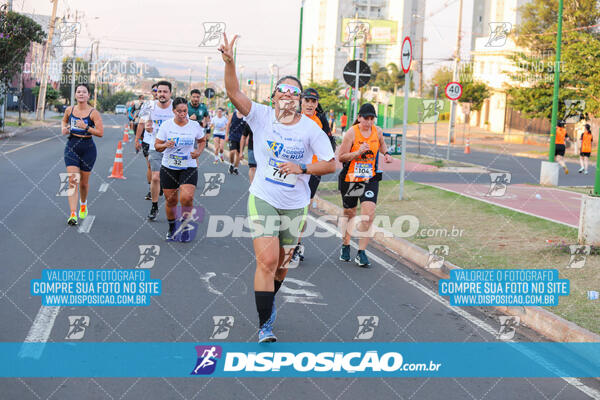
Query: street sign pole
[(435, 94), (405, 61), (404, 128), (356, 91)]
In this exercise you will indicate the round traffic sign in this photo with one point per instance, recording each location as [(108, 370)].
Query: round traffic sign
[(209, 93), (357, 70), (454, 90), (406, 58), (347, 94)]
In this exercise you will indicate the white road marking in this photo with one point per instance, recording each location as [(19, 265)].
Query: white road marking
[(30, 144), (103, 187), (39, 332), (591, 392), (86, 225)]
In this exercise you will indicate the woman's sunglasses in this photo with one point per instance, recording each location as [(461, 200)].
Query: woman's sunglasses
[(285, 88)]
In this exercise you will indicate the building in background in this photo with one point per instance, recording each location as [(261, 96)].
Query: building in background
[(327, 22), (492, 19), (31, 74)]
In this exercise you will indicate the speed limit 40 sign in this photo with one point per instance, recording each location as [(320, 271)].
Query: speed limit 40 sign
[(454, 90)]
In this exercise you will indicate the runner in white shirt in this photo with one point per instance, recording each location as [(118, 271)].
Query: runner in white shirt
[(147, 106), (284, 143), (161, 112), (179, 171), (219, 123)]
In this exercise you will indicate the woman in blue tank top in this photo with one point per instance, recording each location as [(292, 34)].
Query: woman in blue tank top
[(80, 122)]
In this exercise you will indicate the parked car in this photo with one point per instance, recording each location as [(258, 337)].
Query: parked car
[(120, 109)]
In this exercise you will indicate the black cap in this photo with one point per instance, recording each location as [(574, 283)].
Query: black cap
[(311, 93), (367, 110)]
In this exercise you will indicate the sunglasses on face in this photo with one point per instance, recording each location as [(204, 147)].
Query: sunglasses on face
[(285, 88), (155, 90)]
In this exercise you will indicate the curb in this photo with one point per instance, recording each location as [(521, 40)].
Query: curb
[(28, 129), (540, 320)]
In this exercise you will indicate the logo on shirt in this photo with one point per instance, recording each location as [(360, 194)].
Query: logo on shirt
[(275, 147)]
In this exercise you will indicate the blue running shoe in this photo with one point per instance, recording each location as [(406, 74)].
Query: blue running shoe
[(362, 260), (345, 253), (265, 334)]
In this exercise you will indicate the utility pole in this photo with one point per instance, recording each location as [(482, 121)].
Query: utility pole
[(312, 62), (73, 61), (206, 75), (190, 83), (300, 38), (96, 72), (255, 86), (421, 69), (41, 103), (455, 73)]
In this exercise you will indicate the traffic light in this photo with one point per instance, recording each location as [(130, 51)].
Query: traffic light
[(250, 82)]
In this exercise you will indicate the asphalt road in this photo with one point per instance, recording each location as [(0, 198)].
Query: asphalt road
[(213, 277)]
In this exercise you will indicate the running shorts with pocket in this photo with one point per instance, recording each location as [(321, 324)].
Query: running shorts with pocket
[(234, 145), (155, 160), (354, 191), (585, 154), (313, 184), (81, 153), (145, 149), (173, 178), (251, 159), (266, 220)]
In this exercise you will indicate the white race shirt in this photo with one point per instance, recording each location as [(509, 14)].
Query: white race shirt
[(158, 116), (276, 143), (179, 157), (220, 125)]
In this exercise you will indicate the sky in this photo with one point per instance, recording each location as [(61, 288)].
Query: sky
[(166, 34)]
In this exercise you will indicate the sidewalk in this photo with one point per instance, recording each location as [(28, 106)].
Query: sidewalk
[(536, 146), (29, 123), (555, 205)]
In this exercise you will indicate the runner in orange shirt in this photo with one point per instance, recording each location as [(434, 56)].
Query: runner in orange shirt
[(344, 122), (586, 149), (559, 152)]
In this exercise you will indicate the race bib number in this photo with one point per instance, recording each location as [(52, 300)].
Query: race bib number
[(273, 175), (175, 161), (363, 170)]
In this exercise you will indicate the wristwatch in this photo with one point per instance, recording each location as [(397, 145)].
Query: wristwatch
[(387, 153), (303, 168), (87, 127)]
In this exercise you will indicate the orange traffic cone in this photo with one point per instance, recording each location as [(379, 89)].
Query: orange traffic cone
[(126, 134), (467, 148), (117, 170)]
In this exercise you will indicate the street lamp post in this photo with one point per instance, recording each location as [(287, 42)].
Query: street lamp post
[(300, 38), (556, 84), (549, 170)]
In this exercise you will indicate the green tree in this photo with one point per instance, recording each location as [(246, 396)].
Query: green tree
[(441, 77), (82, 75), (108, 103), (387, 78), (51, 94), (329, 95), (533, 88), (473, 92), (17, 32)]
